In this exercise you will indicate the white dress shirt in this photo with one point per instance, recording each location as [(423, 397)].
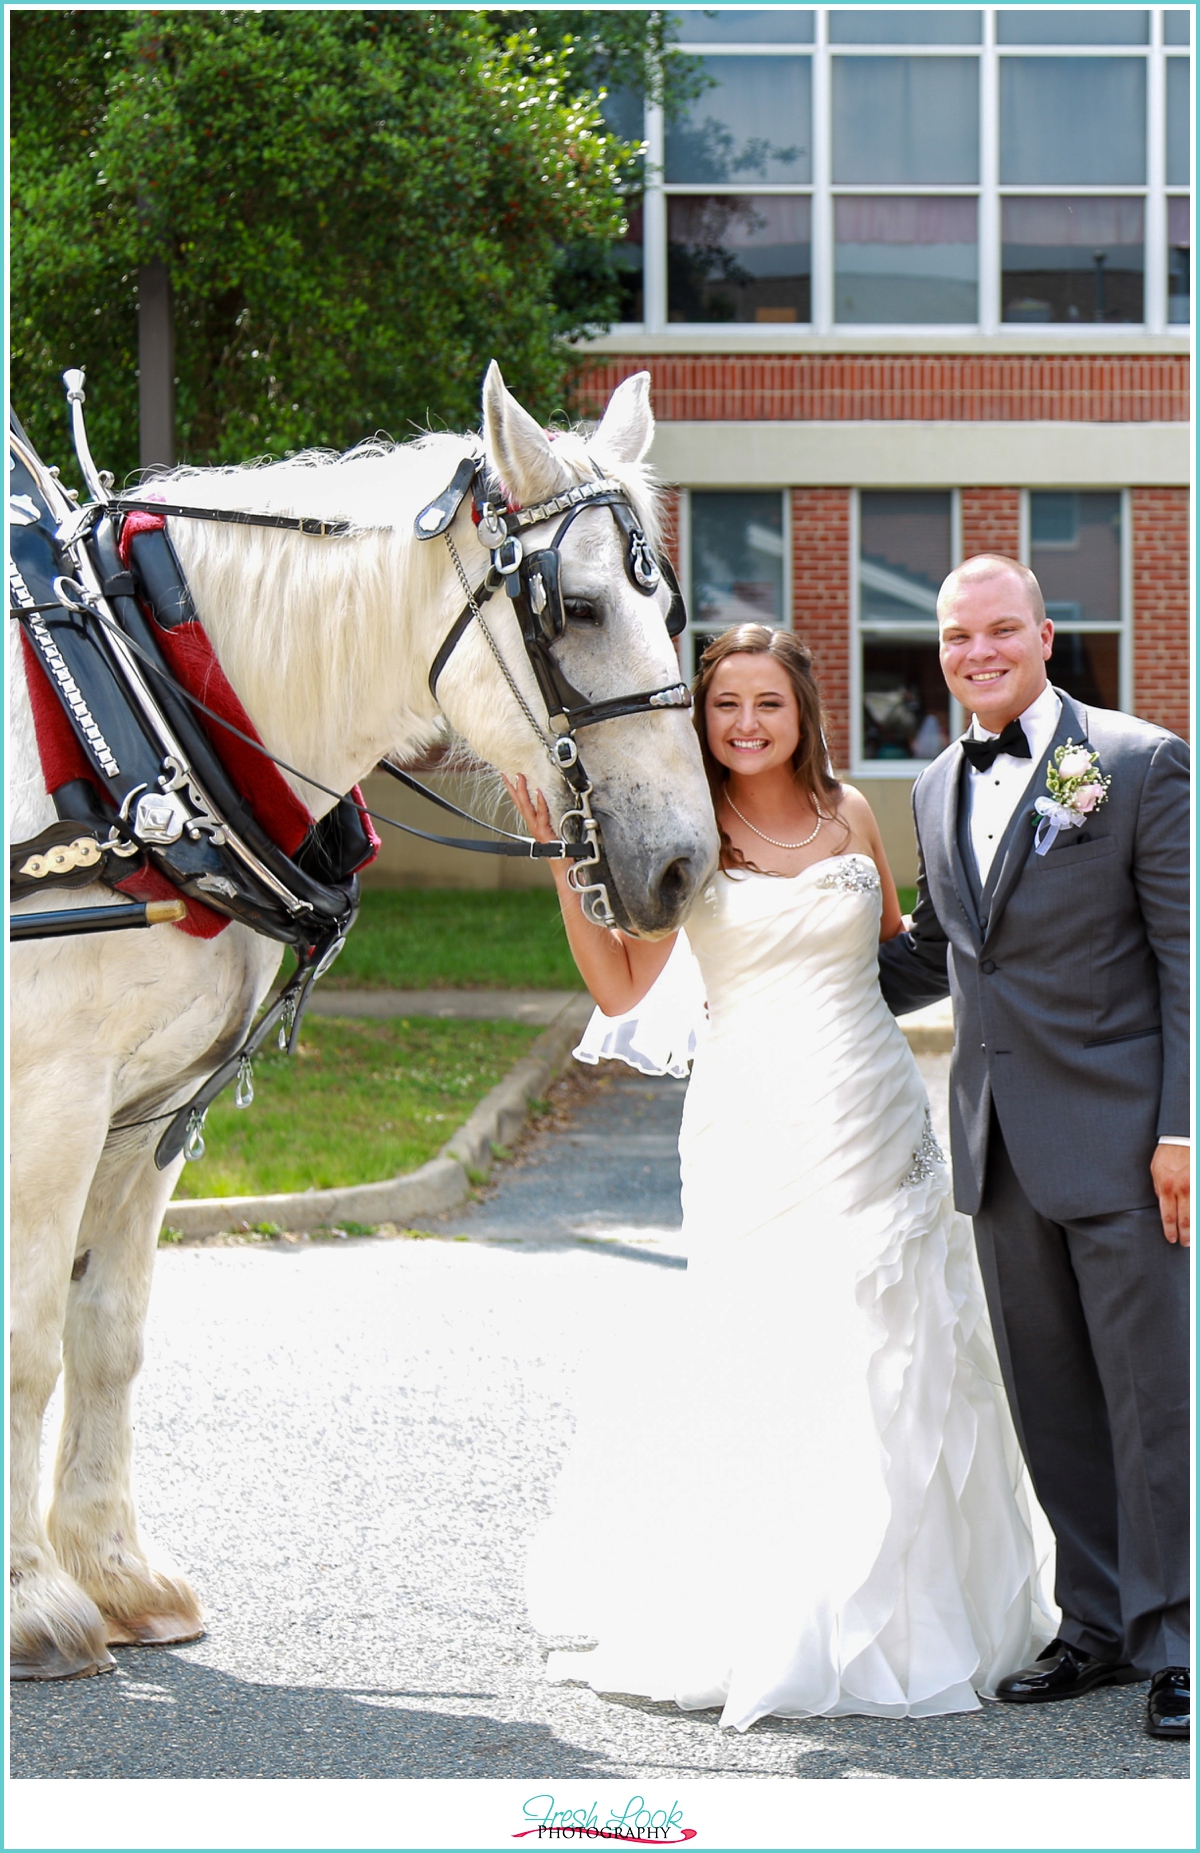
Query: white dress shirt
[(993, 796)]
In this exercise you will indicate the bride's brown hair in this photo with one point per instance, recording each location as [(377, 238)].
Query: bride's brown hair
[(810, 761)]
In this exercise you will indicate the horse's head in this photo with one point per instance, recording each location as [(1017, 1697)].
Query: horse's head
[(649, 794)]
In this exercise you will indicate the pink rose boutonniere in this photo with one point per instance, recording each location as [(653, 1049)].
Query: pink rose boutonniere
[(1075, 787)]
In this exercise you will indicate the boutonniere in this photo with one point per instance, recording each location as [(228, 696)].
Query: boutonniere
[(1075, 787)]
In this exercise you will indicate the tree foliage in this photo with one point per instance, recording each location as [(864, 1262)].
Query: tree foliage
[(357, 209)]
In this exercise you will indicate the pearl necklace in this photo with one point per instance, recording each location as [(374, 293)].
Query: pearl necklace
[(774, 840)]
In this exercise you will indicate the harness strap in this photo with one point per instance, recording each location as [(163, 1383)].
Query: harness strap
[(295, 524)]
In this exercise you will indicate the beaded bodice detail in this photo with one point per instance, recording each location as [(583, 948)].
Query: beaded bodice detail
[(851, 875)]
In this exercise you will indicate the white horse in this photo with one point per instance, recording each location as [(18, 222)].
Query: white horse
[(328, 643)]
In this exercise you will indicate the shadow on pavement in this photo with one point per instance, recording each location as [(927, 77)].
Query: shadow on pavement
[(167, 1717)]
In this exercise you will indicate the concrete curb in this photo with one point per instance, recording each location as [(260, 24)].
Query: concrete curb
[(438, 1185)]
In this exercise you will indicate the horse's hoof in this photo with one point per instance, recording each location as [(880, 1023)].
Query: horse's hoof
[(152, 1630), (53, 1663)]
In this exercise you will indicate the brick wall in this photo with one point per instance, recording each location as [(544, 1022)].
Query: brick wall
[(1161, 607), (821, 601), (991, 522), (1101, 388)]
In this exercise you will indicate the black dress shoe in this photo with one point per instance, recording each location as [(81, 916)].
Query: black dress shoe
[(1169, 1707), (1063, 1672)]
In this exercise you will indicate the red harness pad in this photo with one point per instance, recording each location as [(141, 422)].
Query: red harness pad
[(192, 662)]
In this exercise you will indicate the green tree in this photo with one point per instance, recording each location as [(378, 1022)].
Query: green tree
[(357, 209)]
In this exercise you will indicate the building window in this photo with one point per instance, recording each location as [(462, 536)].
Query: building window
[(1073, 121), (1072, 260), (736, 549), (1076, 541), (1179, 260), (736, 257), (906, 546), (899, 167), (904, 260)]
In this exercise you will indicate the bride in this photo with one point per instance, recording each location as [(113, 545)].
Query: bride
[(806, 1497)]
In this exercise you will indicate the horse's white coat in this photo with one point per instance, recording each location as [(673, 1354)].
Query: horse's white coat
[(328, 643)]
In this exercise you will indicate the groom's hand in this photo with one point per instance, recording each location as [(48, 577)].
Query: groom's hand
[(1170, 1169)]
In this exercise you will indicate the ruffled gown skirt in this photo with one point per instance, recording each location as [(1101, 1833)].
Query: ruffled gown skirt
[(799, 1492)]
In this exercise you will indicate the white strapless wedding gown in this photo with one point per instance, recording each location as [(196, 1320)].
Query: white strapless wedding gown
[(805, 1496)]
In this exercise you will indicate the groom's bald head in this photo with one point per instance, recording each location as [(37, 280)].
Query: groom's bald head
[(985, 566)]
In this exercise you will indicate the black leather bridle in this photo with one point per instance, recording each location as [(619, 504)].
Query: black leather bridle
[(532, 582)]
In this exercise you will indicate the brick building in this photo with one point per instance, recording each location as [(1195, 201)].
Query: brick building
[(912, 284)]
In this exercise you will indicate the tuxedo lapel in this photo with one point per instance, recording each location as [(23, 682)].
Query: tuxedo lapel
[(1017, 844), (954, 796)]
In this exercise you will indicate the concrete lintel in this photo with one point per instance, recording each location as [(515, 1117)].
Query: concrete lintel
[(911, 454), (755, 340)]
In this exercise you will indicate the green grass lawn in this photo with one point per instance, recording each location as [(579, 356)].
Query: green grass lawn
[(442, 938), (416, 938), (358, 1101)]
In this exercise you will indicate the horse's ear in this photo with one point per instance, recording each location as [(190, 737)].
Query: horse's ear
[(626, 431), (518, 450)]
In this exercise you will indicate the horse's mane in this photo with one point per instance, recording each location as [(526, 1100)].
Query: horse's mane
[(298, 636)]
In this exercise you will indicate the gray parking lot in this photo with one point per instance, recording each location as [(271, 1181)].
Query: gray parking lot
[(348, 1444)]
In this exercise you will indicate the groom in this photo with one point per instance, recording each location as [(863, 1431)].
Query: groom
[(1066, 953)]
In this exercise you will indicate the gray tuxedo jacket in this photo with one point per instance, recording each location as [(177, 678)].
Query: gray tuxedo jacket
[(1069, 972)]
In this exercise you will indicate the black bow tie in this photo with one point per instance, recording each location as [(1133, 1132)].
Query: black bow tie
[(983, 753)]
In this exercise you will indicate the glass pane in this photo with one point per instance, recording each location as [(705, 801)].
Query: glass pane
[(904, 554), (898, 120), (754, 122), (1179, 122), (1073, 121), (738, 257), (1072, 260), (905, 260), (1179, 255), (1075, 550), (1072, 26), (904, 25), (1177, 27), (1088, 667), (735, 25), (625, 113), (627, 261), (906, 706), (737, 561)]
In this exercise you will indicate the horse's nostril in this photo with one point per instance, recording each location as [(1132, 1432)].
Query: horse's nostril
[(674, 885)]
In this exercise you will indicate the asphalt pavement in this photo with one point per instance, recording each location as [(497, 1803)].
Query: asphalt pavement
[(348, 1445)]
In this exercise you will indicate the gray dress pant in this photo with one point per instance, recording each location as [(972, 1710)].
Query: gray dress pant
[(1091, 1327)]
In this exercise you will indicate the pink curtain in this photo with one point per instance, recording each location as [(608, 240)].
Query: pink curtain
[(739, 221), (1179, 223), (1072, 221), (905, 221)]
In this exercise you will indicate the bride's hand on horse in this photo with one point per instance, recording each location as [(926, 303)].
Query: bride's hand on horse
[(617, 969)]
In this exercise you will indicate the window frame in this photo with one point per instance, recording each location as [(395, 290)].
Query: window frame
[(860, 765), (989, 192), (1123, 628)]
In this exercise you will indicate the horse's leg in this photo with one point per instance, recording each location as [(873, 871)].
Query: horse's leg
[(56, 1630), (92, 1522)]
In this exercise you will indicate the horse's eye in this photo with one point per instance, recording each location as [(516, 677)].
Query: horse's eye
[(581, 611)]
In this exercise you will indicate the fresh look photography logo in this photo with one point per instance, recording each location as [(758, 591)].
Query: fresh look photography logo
[(636, 1824)]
